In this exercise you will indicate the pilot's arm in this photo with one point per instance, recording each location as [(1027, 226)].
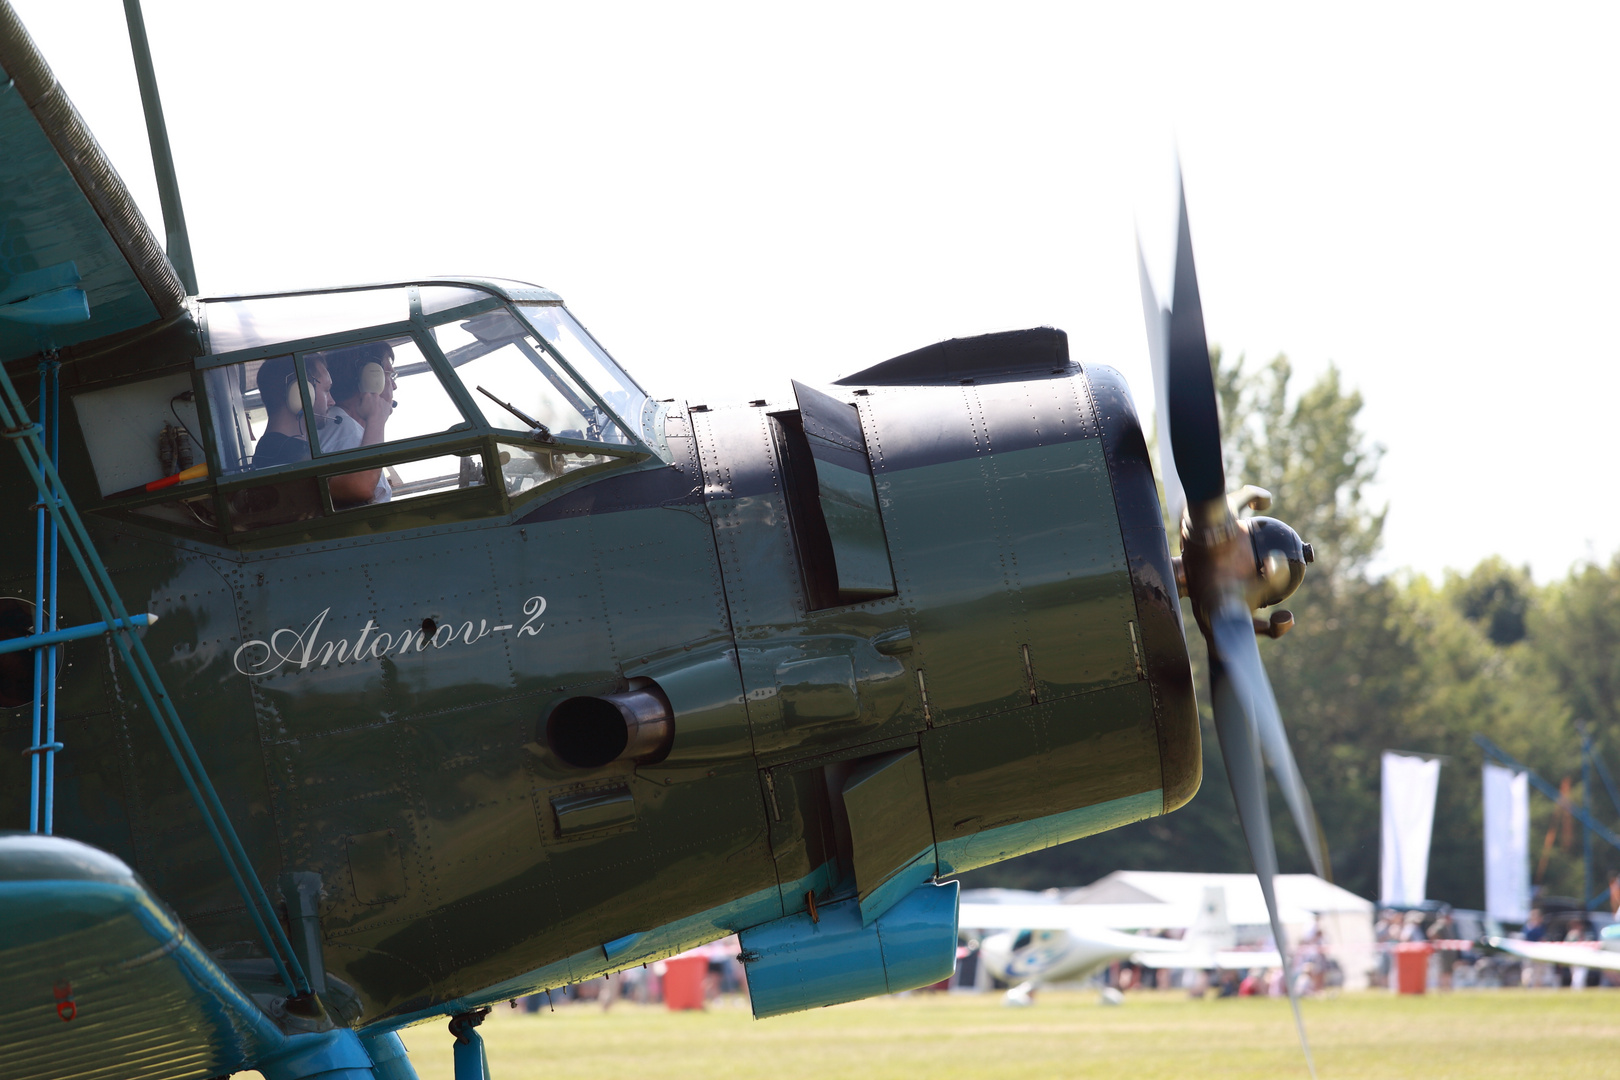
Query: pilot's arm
[(371, 411)]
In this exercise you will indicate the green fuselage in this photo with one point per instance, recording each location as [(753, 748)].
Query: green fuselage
[(370, 693)]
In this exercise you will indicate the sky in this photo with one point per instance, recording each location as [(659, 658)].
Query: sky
[(731, 196)]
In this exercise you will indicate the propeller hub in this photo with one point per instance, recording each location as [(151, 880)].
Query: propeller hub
[(1280, 558), (1259, 560)]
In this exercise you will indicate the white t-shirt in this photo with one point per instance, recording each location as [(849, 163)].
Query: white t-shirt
[(346, 435)]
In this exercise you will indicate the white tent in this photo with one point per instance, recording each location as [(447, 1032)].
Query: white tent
[(1346, 919)]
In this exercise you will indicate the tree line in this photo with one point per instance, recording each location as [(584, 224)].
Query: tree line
[(1384, 662)]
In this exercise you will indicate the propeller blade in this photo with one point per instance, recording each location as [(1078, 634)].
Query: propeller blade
[(1158, 333), (1235, 641), (1235, 698), (1280, 756), (1215, 559), (1195, 423)]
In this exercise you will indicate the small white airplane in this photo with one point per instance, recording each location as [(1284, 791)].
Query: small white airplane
[(1041, 943), (1602, 953)]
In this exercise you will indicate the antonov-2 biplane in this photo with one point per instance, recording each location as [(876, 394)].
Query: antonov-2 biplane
[(377, 654)]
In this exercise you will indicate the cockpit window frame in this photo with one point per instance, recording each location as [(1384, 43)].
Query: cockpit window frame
[(419, 328), (632, 428), (477, 434), (311, 344), (633, 425)]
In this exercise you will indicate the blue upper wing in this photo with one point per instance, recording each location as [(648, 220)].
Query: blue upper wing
[(68, 225)]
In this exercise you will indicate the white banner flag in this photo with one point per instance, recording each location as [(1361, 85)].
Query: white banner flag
[(1409, 787), (1507, 844)]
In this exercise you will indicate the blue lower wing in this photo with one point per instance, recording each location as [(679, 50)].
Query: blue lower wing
[(99, 980)]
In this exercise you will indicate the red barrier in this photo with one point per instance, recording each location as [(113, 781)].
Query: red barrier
[(683, 982), (1412, 967)]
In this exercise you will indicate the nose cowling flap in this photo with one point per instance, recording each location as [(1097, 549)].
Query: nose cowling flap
[(845, 498)]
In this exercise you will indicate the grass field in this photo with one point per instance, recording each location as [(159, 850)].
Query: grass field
[(1499, 1033)]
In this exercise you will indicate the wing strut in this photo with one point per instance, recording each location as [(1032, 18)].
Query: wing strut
[(25, 435), (157, 132)]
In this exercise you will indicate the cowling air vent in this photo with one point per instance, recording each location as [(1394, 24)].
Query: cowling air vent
[(832, 502), (1041, 350)]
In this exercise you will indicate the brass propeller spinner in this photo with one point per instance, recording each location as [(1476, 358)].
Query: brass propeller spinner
[(1227, 560)]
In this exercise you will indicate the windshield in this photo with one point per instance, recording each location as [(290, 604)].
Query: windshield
[(516, 384), (589, 360)]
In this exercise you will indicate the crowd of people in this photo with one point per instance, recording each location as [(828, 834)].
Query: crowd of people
[(645, 984), (1456, 961), (1459, 962), (1315, 972)]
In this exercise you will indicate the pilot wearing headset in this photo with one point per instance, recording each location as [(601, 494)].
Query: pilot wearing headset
[(286, 441), (363, 392)]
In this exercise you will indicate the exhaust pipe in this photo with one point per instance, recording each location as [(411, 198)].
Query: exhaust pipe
[(589, 732)]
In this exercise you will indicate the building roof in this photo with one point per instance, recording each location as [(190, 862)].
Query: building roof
[(1245, 904)]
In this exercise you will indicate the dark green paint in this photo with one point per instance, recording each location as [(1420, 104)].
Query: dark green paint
[(886, 804), (458, 856)]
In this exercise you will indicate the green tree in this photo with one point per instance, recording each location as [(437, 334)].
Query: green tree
[(1577, 631), (1573, 627), (1496, 597), (1311, 454), (1468, 682)]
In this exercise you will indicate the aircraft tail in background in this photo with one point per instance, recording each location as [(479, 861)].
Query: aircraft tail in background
[(1211, 931)]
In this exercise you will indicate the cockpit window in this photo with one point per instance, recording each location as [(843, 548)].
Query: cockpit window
[(247, 324), (437, 298), (357, 396), (322, 404), (238, 409), (526, 467), (516, 383), (407, 480), (581, 352), (382, 391)]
